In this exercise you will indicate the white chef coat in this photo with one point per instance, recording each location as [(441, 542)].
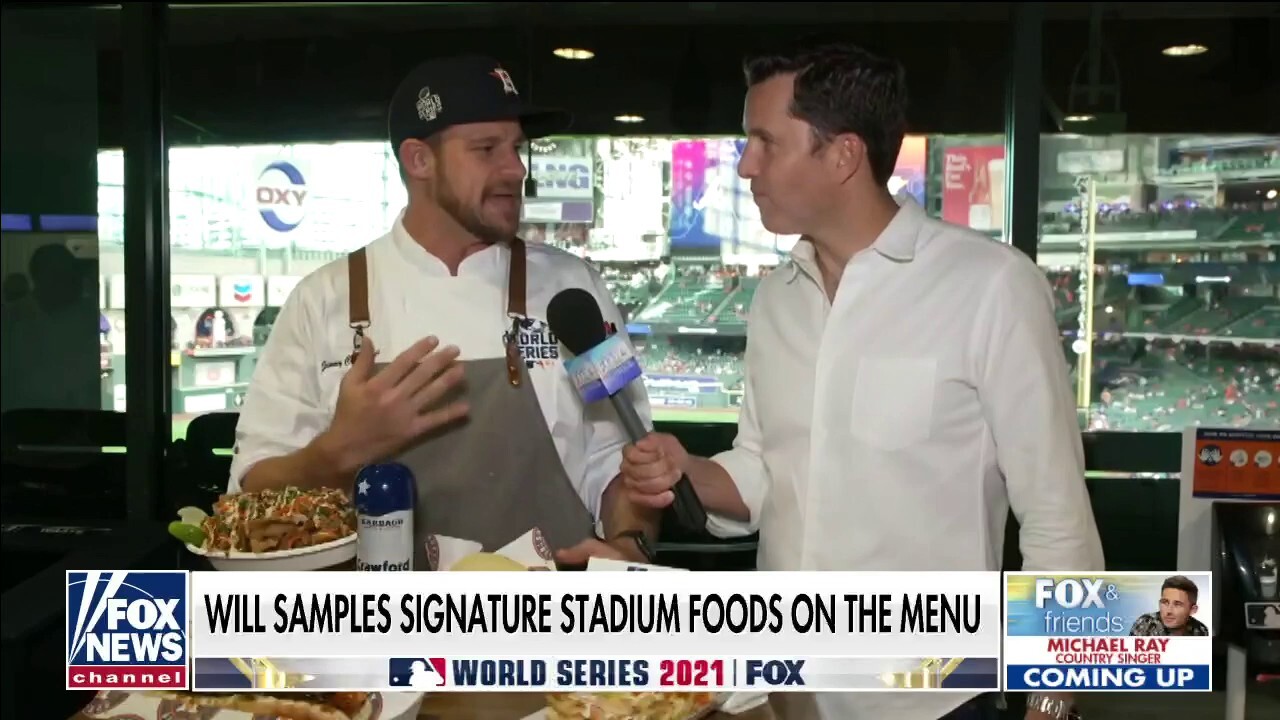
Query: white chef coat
[(412, 295), (893, 428)]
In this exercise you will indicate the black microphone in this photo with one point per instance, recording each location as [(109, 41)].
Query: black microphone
[(575, 319)]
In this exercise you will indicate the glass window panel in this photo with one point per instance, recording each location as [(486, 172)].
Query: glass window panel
[(1178, 322), (667, 220)]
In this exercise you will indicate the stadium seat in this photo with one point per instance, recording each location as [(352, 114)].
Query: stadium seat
[(1262, 324), (204, 460), (63, 465)]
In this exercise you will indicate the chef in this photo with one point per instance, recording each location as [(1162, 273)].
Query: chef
[(430, 346), (905, 383)]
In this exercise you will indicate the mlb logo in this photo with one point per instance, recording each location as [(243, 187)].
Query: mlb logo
[(417, 672), (127, 630)]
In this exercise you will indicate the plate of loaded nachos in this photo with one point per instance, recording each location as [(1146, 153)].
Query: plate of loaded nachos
[(118, 705), (289, 529)]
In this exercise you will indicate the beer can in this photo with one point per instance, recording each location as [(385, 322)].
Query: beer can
[(384, 497)]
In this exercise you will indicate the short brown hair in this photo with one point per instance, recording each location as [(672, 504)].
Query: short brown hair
[(1183, 583), (842, 88)]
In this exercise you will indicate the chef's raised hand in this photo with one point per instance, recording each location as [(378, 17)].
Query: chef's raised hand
[(651, 467), (380, 413)]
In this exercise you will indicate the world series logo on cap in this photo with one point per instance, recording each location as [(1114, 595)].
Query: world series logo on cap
[(429, 105), (127, 630), (508, 85)]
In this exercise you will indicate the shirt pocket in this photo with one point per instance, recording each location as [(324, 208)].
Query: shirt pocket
[(893, 401)]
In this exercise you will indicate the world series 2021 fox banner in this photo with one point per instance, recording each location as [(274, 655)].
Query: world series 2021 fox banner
[(1108, 631), (762, 672)]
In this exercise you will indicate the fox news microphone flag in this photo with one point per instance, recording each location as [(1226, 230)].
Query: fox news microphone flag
[(602, 367), (1108, 631)]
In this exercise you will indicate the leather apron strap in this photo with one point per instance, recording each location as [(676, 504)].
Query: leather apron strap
[(516, 289), (357, 298), (517, 272)]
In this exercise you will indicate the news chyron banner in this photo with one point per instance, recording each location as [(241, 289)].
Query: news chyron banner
[(1108, 631), (536, 631)]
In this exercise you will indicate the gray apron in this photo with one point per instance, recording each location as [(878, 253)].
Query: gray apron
[(497, 474)]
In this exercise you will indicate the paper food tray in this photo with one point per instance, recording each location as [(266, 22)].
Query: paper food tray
[(739, 702), (596, 564), (119, 705), (530, 550), (542, 715)]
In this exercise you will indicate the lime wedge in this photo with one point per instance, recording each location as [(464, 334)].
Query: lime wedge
[(191, 534), (192, 515)]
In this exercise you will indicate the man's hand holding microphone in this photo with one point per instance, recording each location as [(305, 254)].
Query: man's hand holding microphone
[(653, 465), (650, 468)]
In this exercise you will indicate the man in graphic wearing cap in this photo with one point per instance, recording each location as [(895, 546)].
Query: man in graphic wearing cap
[(429, 346)]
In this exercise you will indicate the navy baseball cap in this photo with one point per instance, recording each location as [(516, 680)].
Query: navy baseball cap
[(460, 90)]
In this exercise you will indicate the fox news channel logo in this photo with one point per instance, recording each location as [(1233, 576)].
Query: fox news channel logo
[(127, 630), (1108, 631)]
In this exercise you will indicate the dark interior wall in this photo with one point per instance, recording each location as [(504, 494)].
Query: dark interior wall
[(49, 142), (49, 96), (324, 73)]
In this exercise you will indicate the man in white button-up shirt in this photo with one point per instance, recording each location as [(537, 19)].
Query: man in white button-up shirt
[(905, 381)]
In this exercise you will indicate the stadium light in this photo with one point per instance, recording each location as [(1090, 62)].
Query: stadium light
[(571, 53)]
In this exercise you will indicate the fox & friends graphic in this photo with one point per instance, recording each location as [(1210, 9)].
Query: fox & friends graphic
[(1108, 631)]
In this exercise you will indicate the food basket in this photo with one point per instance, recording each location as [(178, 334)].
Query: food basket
[(119, 705), (314, 557), (272, 530)]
